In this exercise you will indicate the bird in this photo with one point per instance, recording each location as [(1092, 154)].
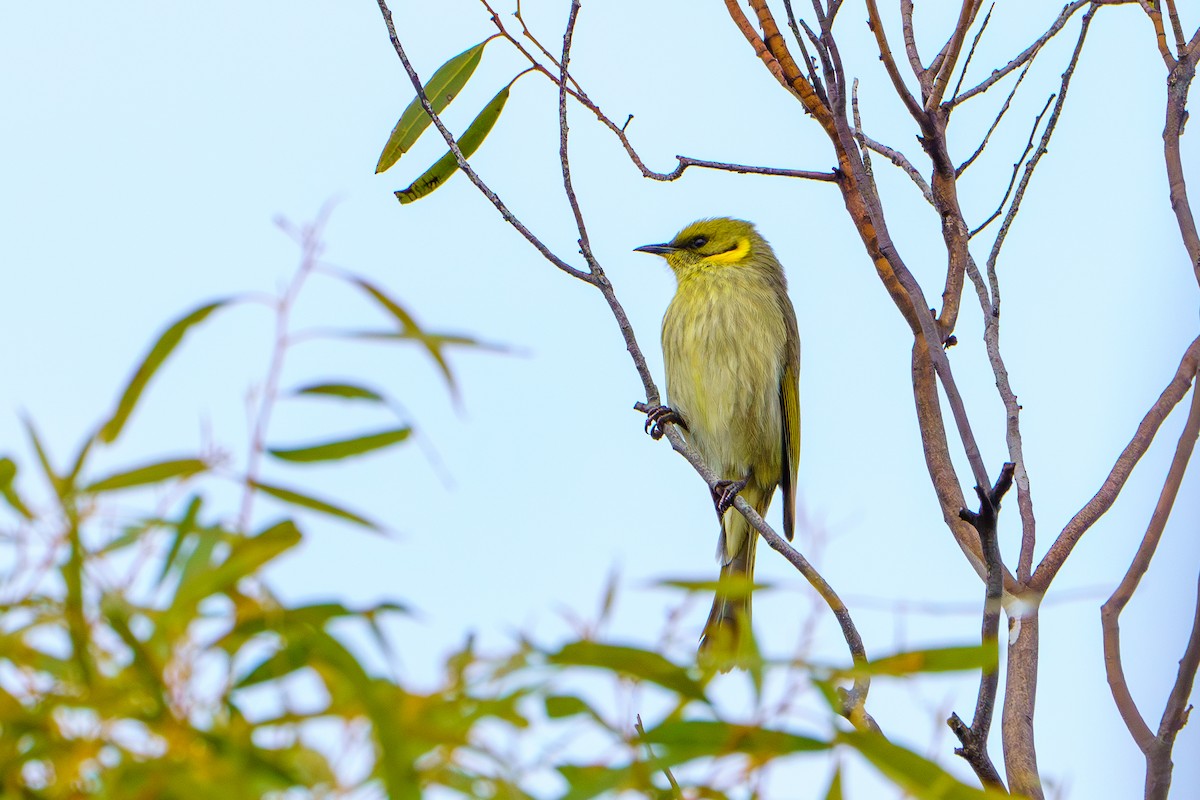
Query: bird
[(731, 350)]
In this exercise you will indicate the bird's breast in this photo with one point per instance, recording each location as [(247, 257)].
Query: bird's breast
[(723, 345)]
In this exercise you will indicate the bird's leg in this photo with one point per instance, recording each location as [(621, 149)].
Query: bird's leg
[(725, 492), (658, 416)]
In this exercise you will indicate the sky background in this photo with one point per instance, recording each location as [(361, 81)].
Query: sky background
[(148, 147)]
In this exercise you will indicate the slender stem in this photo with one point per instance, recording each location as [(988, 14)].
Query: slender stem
[(1142, 438), (1154, 747)]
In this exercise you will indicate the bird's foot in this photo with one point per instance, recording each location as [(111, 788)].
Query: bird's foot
[(724, 493), (658, 416)]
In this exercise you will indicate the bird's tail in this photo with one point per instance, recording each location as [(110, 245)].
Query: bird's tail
[(727, 641)]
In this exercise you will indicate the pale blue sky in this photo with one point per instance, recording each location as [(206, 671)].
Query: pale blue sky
[(147, 148)]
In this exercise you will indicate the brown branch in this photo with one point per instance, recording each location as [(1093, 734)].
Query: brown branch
[(889, 62), (1173, 13), (585, 247), (1016, 167), (962, 74), (853, 701), (1096, 507), (1025, 57), (910, 46), (949, 56), (974, 738), (1160, 33), (1179, 83), (1155, 748), (995, 123), (897, 158)]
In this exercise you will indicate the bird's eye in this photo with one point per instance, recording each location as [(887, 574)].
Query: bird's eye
[(698, 242)]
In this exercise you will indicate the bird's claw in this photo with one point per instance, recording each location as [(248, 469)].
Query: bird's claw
[(658, 416), (724, 493)]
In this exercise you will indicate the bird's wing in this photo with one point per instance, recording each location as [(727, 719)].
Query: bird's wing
[(789, 402)]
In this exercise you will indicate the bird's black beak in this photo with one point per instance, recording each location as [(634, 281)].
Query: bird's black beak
[(656, 249)]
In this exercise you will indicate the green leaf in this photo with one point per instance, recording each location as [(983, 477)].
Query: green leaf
[(61, 487), (943, 659), (183, 529), (148, 474), (410, 329), (8, 474), (709, 738), (162, 348), (835, 785), (343, 448), (443, 87), (913, 773), (468, 143), (346, 391), (734, 586), (630, 662), (246, 556), (559, 706), (313, 504)]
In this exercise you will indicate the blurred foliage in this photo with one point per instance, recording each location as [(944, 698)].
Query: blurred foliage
[(144, 655)]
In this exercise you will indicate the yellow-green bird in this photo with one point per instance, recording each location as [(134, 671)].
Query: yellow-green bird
[(732, 353)]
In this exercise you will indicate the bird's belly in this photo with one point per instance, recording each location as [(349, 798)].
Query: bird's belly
[(723, 350)]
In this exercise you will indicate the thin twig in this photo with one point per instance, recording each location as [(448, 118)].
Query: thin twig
[(901, 161), (1142, 438), (1026, 56), (585, 247), (971, 53), (949, 55), (995, 123), (1016, 167), (683, 162), (1156, 748)]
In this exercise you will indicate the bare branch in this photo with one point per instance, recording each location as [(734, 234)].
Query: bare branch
[(900, 160), (889, 62), (949, 57), (1053, 560), (1042, 148), (1180, 42), (995, 123), (910, 45), (585, 246), (974, 738), (1156, 748), (1025, 57), (971, 53), (853, 702), (1016, 168), (1179, 83)]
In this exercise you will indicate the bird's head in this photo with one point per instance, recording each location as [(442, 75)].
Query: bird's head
[(712, 243)]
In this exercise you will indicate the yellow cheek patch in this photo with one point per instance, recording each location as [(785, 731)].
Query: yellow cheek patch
[(740, 251)]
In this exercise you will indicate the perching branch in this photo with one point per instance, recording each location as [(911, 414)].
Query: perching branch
[(853, 700)]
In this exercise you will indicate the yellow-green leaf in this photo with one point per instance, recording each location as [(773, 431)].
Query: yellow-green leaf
[(345, 391), (8, 473), (913, 773), (443, 87), (162, 348), (148, 474), (710, 738), (942, 659), (313, 504), (468, 143), (630, 662), (342, 448)]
